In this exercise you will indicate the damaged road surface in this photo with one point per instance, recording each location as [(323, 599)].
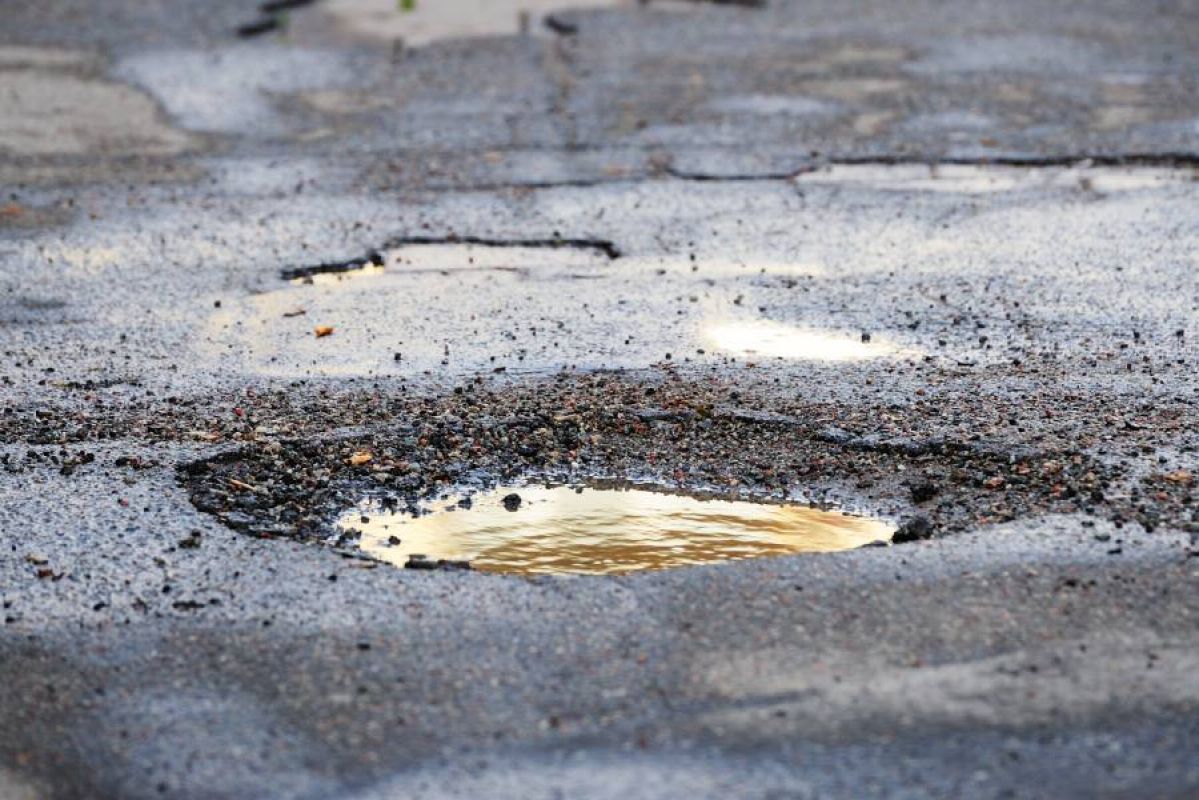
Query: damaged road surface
[(826, 384)]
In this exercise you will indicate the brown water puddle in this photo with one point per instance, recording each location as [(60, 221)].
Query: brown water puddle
[(600, 530)]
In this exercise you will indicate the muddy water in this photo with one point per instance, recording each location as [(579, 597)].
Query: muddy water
[(577, 530)]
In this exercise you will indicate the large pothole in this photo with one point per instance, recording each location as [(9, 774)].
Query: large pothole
[(411, 452)]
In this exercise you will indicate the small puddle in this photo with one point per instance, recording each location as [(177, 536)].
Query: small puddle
[(424, 21), (769, 339), (450, 257), (417, 259), (601, 530), (420, 305), (334, 277)]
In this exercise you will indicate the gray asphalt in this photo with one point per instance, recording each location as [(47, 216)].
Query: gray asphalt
[(1003, 197)]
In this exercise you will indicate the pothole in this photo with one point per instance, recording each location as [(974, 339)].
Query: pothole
[(417, 255), (401, 309), (599, 529), (304, 463)]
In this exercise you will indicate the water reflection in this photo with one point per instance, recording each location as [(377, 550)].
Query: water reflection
[(339, 276), (454, 257), (769, 339), (459, 256), (575, 530)]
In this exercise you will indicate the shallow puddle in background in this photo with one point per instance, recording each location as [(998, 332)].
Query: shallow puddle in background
[(768, 339), (428, 21), (335, 277), (448, 257), (411, 307), (455, 257), (600, 530)]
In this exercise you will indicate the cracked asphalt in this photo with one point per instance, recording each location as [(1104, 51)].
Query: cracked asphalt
[(935, 262)]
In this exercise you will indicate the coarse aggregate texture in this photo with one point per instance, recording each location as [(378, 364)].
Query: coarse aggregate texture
[(981, 220)]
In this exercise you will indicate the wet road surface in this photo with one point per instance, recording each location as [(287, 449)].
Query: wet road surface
[(932, 263)]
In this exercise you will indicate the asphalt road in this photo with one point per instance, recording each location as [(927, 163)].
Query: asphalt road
[(925, 260)]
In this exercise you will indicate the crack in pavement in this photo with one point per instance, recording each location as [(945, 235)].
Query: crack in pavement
[(660, 168), (1179, 160)]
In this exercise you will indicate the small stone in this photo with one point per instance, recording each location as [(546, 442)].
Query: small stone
[(425, 563), (923, 492), (1182, 477), (915, 529), (511, 502)]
